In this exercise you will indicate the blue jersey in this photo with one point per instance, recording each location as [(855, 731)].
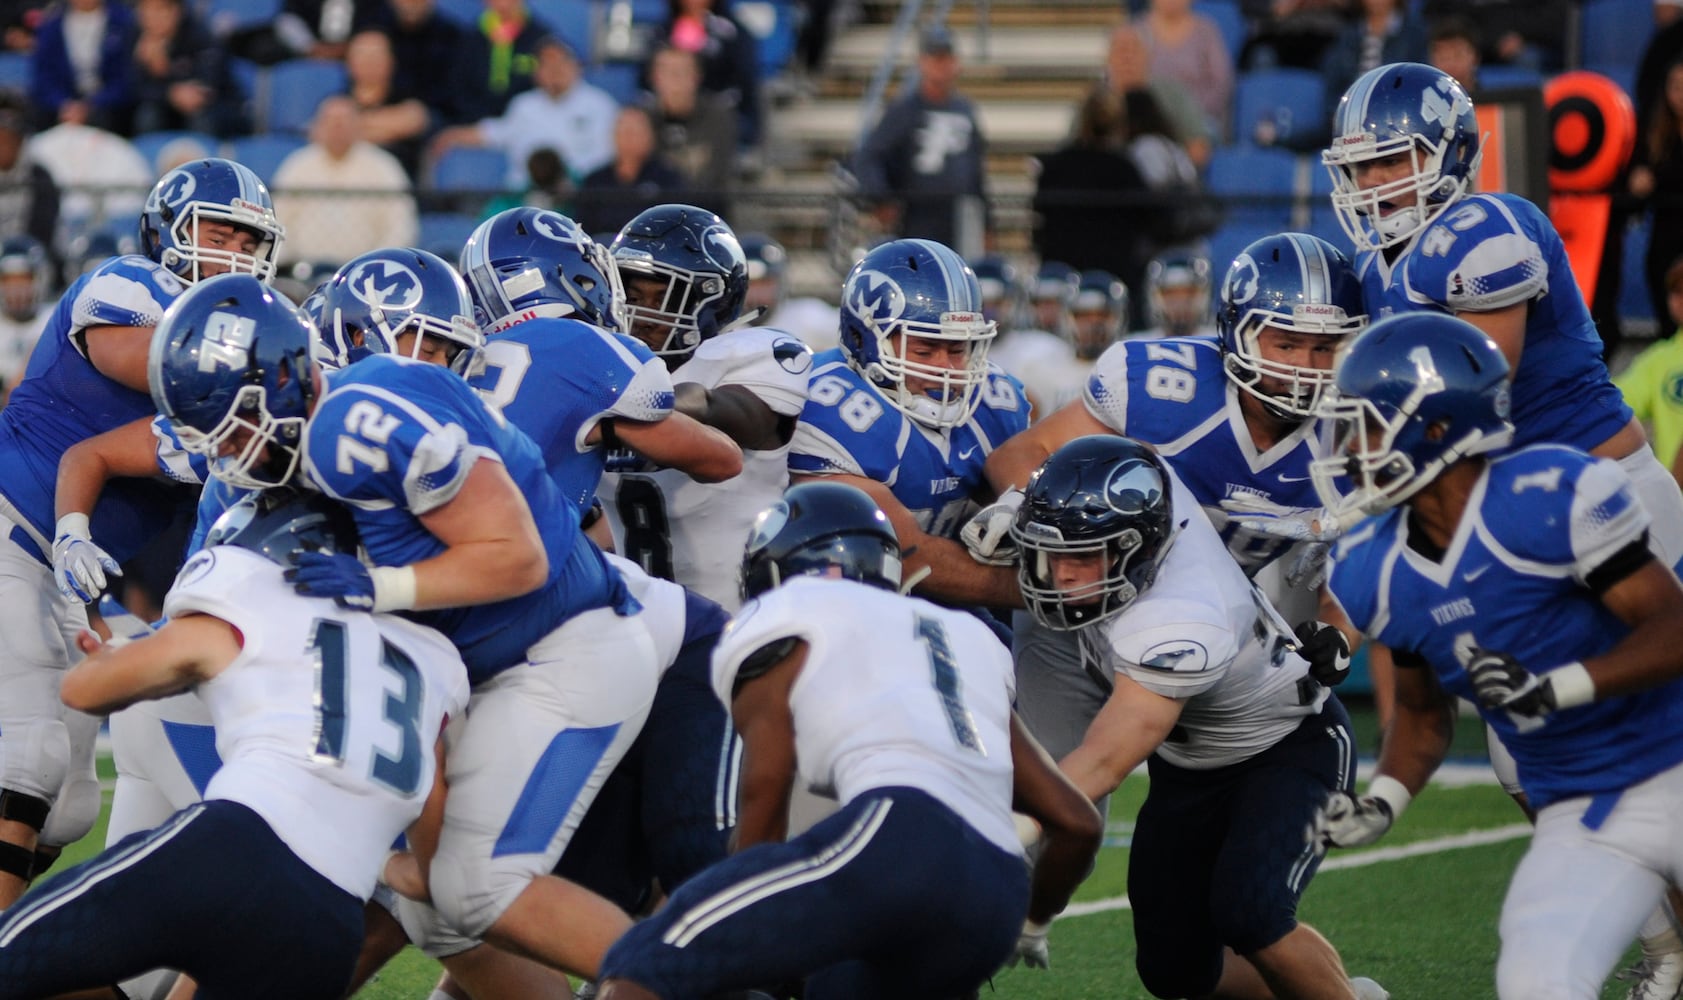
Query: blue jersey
[(846, 428), (394, 439), (64, 400), (1489, 252), (556, 379), (1174, 394), (1540, 521)]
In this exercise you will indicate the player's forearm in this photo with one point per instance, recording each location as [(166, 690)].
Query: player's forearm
[(1071, 827), (1416, 742), (126, 451), (1012, 462), (956, 577), (481, 572)]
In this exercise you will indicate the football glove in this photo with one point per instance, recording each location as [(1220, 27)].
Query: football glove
[(1308, 569), (1032, 948), (1291, 524), (333, 574), (1327, 651), (79, 566), (1346, 820), (988, 534), (1502, 683)]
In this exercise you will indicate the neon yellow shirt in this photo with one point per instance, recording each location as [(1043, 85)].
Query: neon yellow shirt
[(1653, 386)]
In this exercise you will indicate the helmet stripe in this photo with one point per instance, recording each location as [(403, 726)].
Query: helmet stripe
[(1352, 112)]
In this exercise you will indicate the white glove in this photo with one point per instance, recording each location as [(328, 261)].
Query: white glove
[(79, 566), (1292, 524), (1308, 569), (988, 534), (1346, 820), (1032, 948)]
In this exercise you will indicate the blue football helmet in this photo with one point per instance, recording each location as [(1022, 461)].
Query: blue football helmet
[(1178, 292), (233, 356), (1415, 393), (1294, 283), (524, 263), (818, 527), (1402, 108), (1051, 296), (1003, 293), (281, 524), (1103, 496), (210, 190), (1099, 313), (695, 255), (25, 277), (917, 289), (375, 298)]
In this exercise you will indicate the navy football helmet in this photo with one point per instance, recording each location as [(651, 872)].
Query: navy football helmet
[(695, 256), (280, 524), (768, 264), (1104, 497), (1099, 313), (917, 289), (816, 527), (1002, 288), (1178, 292), (1401, 109), (1295, 283), (24, 277), (1414, 394), (374, 298), (202, 191), (523, 263), (233, 356)]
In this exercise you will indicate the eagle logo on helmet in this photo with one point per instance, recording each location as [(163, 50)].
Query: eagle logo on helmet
[(878, 296), (385, 284), (767, 525)]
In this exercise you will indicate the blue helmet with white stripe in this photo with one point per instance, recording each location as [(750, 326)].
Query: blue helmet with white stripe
[(917, 290), (383, 294), (209, 190), (524, 262), (1401, 109), (1293, 283)]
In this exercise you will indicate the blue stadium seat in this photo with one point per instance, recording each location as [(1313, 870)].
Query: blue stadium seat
[(1614, 31), (151, 143), (1294, 100), (1323, 221), (619, 79), (1255, 185), (289, 93), (462, 11), (445, 233), (471, 169), (1634, 302), (264, 153), (14, 70), (1498, 77), (1231, 238), (223, 16), (774, 25), (573, 20), (1230, 19)]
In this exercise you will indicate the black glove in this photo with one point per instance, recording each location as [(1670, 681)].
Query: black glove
[(1501, 683), (1327, 651)]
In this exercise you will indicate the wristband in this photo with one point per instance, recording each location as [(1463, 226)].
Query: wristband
[(1038, 930), (1028, 829), (394, 587), (1571, 685), (75, 523), (1391, 792)]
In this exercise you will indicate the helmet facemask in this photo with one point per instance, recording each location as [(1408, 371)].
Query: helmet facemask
[(686, 297), (187, 258), (1432, 189), (1089, 604), (951, 395), (1300, 387), (268, 458)]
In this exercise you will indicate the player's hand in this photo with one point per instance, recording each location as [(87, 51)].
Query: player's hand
[(1327, 651), (988, 534), (1291, 524), (1501, 683), (1032, 948), (79, 566), (1346, 820), (1308, 569), (333, 574)]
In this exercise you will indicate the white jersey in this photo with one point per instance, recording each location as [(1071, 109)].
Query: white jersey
[(896, 691), (1055, 380), (17, 339), (1033, 356), (693, 532), (1203, 635), (816, 322), (325, 732)]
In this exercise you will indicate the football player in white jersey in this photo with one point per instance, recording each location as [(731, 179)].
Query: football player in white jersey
[(685, 282), (901, 710), (1192, 672), (331, 724), (1098, 319), (1527, 581), (87, 375), (1179, 295), (24, 284)]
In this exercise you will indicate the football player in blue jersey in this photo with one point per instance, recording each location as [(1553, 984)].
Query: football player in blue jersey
[(87, 375), (465, 531), (1526, 581), (909, 408)]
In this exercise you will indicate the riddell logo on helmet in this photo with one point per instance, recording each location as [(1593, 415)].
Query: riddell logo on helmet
[(1317, 309), (1361, 139), (248, 206), (961, 317)]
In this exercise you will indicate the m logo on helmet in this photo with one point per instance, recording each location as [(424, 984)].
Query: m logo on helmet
[(227, 342), (385, 284), (877, 296), (555, 230), (175, 190), (1243, 280)]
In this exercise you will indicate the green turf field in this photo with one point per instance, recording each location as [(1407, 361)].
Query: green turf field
[(1421, 921)]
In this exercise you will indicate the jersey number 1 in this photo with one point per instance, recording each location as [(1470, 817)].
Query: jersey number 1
[(945, 674), (402, 774)]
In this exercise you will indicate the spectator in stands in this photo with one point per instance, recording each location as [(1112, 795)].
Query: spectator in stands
[(1529, 33), (181, 79), (1656, 175), (729, 58), (342, 196), (549, 185), (1452, 45), (1664, 48), (1653, 382), (1092, 207), (1386, 32), (80, 72), (812, 47), (438, 61), (182, 149), (1128, 67), (637, 178), (923, 166), (695, 131), (19, 20), (1187, 47), (312, 29), (564, 111), (396, 122), (29, 200), (1292, 33), (509, 37), (102, 178)]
